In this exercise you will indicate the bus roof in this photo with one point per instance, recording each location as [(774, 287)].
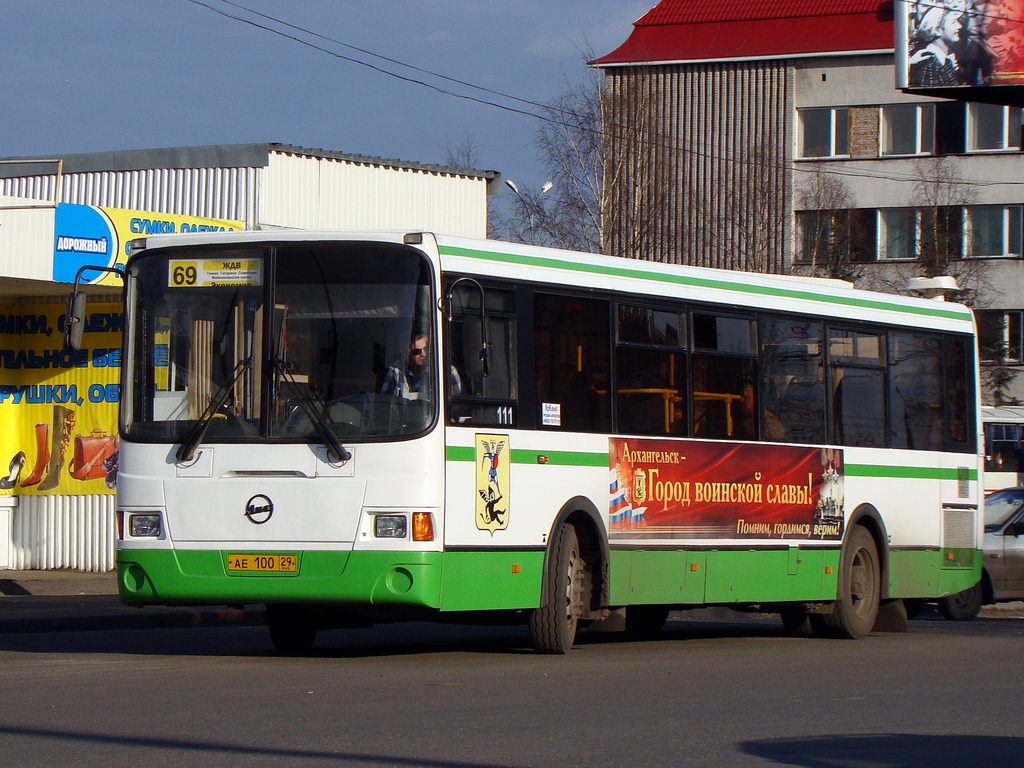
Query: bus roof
[(741, 290)]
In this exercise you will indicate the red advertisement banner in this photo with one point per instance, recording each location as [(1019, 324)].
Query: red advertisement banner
[(686, 489)]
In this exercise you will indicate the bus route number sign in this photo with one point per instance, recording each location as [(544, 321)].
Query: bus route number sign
[(262, 563), (210, 273)]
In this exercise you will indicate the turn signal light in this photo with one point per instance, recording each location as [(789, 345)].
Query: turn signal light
[(422, 526)]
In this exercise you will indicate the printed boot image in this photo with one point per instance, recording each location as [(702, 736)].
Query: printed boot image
[(63, 426), (14, 471), (42, 455)]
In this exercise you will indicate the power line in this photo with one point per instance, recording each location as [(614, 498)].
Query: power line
[(552, 109)]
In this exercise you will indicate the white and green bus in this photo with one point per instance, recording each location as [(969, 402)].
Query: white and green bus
[(361, 427)]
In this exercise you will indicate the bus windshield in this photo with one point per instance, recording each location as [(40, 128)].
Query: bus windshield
[(347, 347)]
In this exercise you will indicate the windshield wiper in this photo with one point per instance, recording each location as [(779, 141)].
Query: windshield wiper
[(315, 409), (187, 449)]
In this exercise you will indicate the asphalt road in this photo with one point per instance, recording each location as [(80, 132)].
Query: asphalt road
[(705, 693)]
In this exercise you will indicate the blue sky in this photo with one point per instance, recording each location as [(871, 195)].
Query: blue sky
[(96, 75)]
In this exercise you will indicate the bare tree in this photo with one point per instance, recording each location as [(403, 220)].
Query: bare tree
[(830, 230), (941, 196), (605, 155), (466, 155)]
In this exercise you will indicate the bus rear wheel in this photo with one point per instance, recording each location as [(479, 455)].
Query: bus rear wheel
[(856, 606), (963, 606), (553, 625), (292, 630)]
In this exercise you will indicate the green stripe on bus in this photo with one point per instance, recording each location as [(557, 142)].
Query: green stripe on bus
[(699, 282), (529, 456), (561, 458), (600, 459), (927, 473)]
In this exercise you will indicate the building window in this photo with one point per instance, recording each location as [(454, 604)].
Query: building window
[(993, 230), (824, 132), (908, 129), (829, 238), (993, 127), (1001, 335), (897, 233), (819, 233)]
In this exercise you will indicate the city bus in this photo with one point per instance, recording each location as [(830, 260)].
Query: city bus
[(1004, 446), (363, 427)]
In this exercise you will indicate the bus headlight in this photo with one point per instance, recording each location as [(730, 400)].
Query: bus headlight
[(144, 525), (390, 526)]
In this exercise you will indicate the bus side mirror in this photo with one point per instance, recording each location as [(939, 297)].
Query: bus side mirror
[(74, 321)]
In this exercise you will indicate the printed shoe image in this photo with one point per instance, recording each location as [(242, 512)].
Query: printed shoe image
[(17, 464), (63, 425), (42, 455)]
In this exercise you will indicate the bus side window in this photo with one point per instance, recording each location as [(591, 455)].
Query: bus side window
[(572, 363), (650, 371), (858, 387), (724, 377), (473, 398), (915, 391), (793, 381)]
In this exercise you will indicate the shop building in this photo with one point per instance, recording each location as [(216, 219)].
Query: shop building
[(58, 408)]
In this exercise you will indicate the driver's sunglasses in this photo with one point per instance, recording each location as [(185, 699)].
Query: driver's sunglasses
[(419, 350)]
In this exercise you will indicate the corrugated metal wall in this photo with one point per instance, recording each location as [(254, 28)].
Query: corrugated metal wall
[(293, 191), (63, 532), (217, 193), (334, 193), (26, 238), (727, 174)]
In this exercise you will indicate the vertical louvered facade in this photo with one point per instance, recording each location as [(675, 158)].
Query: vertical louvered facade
[(713, 162)]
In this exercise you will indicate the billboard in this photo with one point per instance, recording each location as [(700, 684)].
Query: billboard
[(90, 235), (668, 489), (58, 408), (959, 44)]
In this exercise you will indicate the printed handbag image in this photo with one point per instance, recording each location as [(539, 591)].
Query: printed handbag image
[(90, 452)]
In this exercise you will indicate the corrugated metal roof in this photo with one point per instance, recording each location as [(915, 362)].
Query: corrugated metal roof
[(211, 156), (692, 30), (700, 11)]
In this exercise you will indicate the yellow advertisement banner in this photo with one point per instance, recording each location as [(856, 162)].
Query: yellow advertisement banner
[(58, 408), (87, 235)]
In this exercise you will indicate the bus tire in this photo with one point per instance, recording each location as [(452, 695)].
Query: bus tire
[(856, 606), (645, 621), (963, 606), (292, 630), (553, 625)]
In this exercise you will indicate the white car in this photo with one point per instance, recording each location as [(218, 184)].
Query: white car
[(1002, 576)]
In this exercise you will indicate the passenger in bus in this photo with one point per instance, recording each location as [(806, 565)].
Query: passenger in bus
[(412, 380)]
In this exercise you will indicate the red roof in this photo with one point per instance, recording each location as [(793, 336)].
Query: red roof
[(693, 30)]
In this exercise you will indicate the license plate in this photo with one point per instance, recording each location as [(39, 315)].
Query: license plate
[(262, 563)]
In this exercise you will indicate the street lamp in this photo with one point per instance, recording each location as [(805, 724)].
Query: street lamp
[(527, 204)]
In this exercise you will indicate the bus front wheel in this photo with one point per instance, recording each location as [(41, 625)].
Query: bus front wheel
[(553, 625), (856, 606), (292, 630)]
